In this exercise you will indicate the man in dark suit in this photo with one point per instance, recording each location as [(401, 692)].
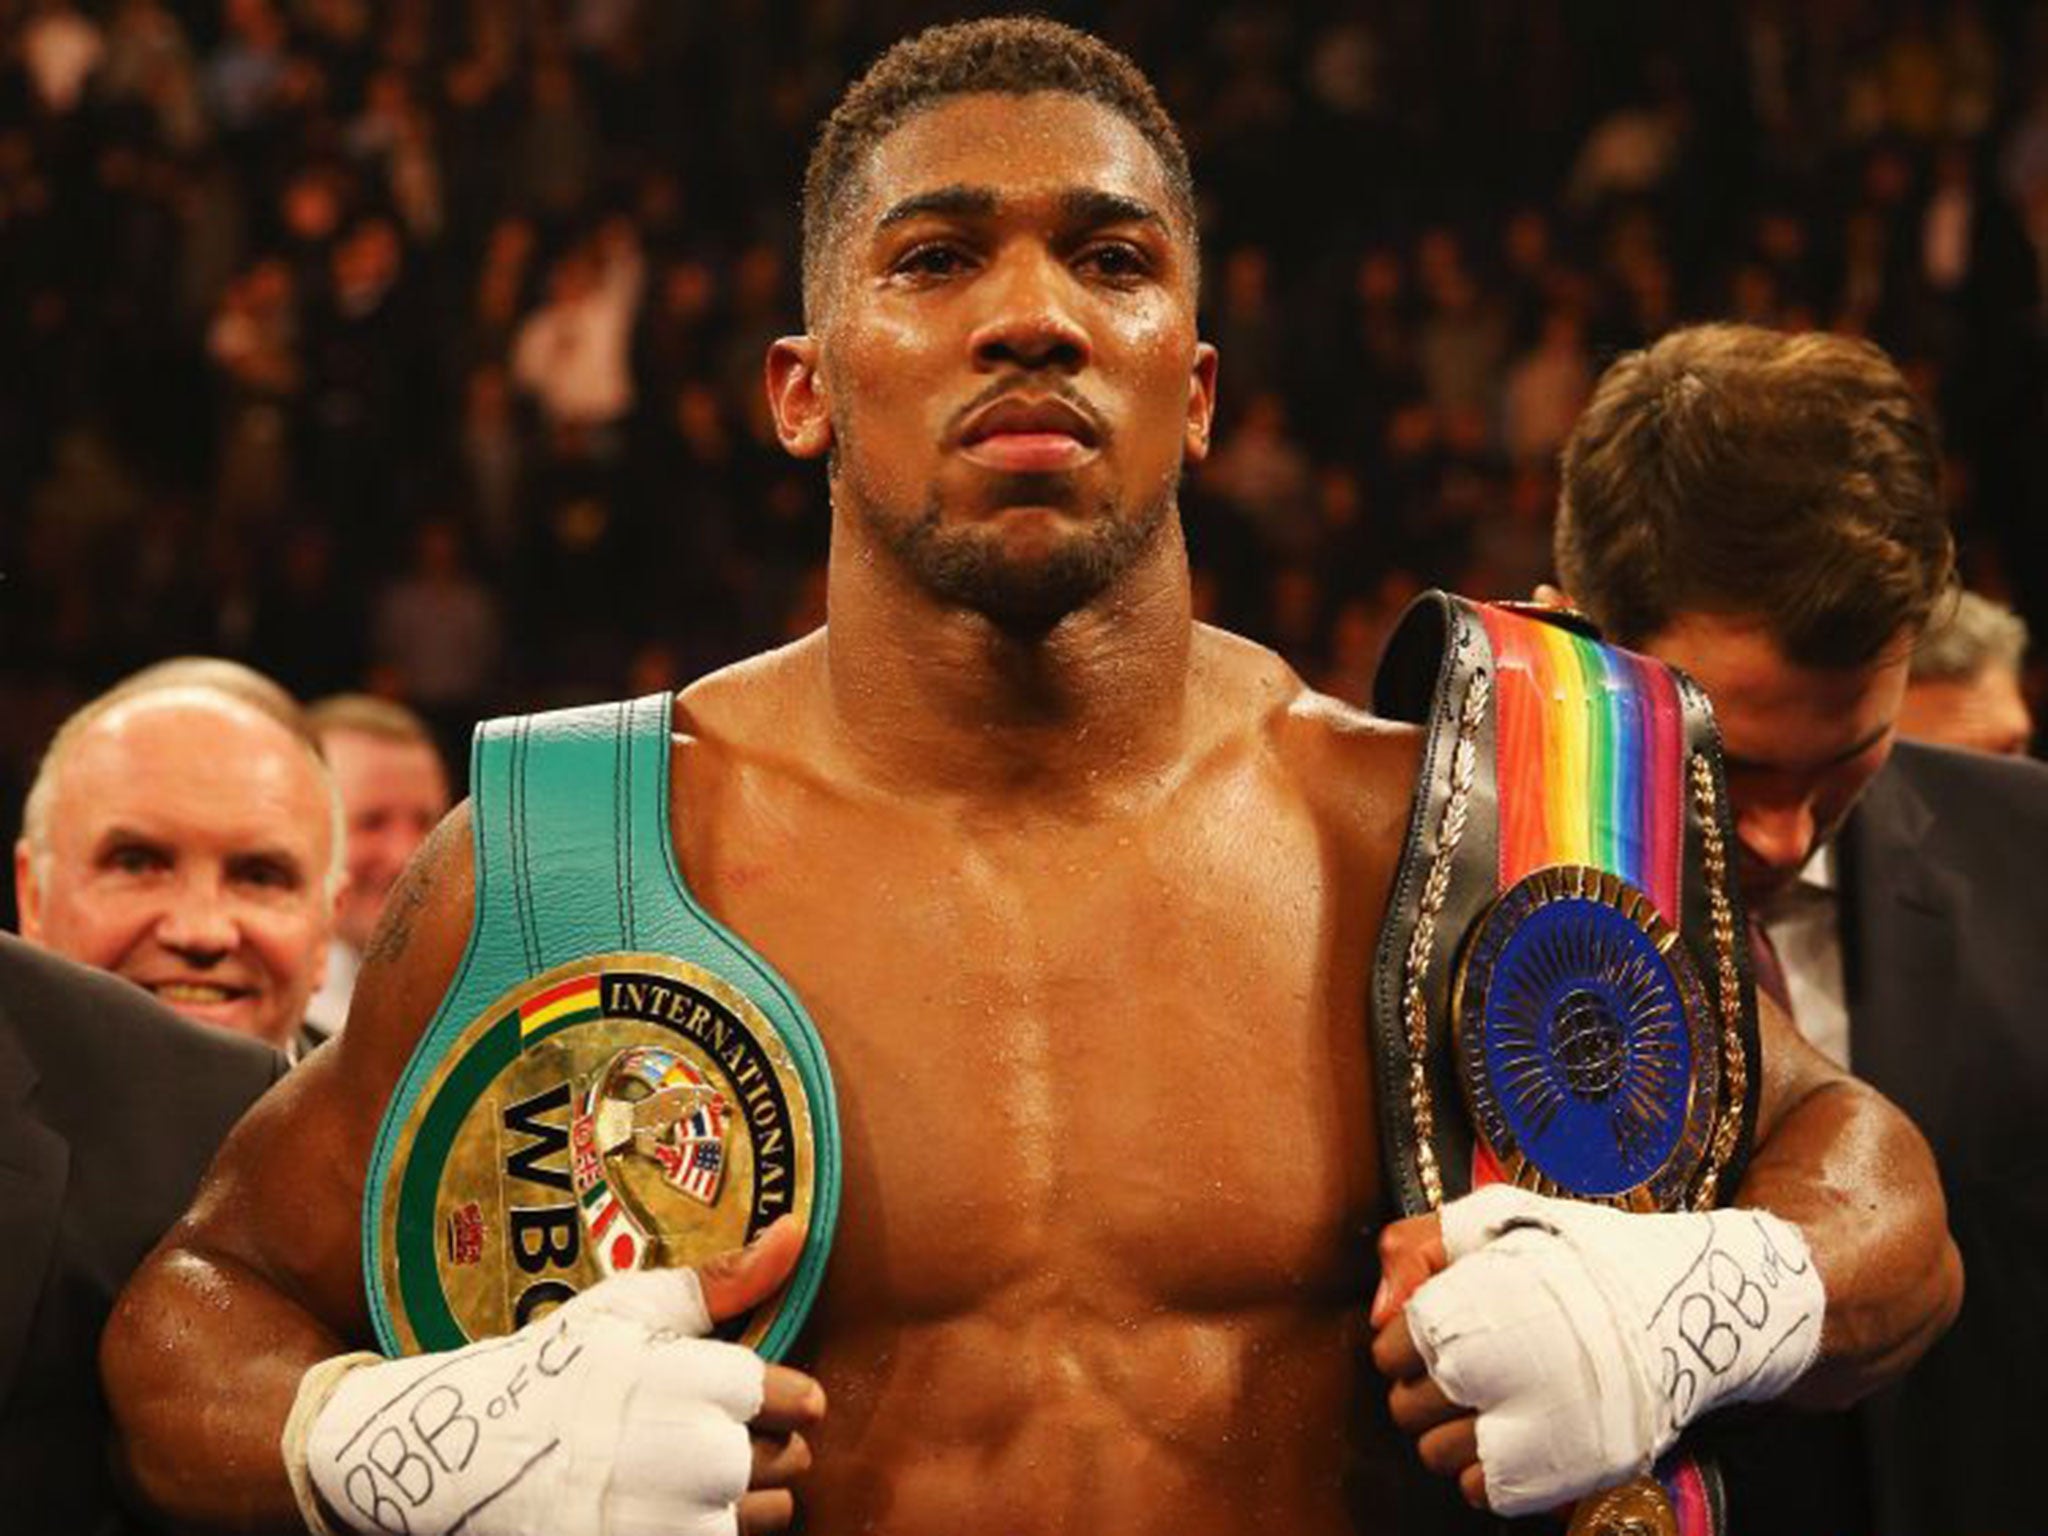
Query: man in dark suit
[(111, 1107), (1947, 972), (1764, 512)]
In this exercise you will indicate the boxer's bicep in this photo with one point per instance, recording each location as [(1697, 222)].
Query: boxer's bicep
[(1793, 1069), (263, 1276), (286, 1196), (204, 1351), (421, 932)]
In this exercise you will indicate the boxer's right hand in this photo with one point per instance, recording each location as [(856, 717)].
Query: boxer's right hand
[(612, 1414)]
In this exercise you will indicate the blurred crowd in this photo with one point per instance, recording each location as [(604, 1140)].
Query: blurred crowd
[(414, 345)]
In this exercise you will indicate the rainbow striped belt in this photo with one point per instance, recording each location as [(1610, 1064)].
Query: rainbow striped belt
[(1588, 740), (1558, 995)]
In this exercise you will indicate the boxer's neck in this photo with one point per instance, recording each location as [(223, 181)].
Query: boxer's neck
[(924, 693)]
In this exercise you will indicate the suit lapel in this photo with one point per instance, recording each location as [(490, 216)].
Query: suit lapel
[(1903, 913), (34, 1163)]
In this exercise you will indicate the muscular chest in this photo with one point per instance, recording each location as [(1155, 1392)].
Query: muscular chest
[(1124, 1060)]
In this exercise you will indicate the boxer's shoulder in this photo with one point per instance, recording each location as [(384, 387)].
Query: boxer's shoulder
[(1354, 771), (766, 707), (413, 953), (751, 698), (1321, 731), (1352, 764), (746, 735), (1351, 749), (1358, 771)]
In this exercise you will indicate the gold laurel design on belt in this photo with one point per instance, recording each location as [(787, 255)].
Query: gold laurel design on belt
[(1414, 1006), (1728, 984)]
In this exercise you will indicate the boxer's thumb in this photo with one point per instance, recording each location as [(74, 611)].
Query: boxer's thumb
[(1411, 1250), (742, 1279)]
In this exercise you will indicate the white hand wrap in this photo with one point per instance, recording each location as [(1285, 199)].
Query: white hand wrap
[(610, 1415), (1587, 1337)]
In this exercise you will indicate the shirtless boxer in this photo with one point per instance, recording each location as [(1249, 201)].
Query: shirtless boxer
[(1080, 895)]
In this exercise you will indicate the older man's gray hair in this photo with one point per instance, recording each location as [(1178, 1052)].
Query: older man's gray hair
[(1975, 634)]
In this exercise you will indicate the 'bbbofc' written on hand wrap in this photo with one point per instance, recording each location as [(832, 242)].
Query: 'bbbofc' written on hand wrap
[(1586, 1338), (613, 1414)]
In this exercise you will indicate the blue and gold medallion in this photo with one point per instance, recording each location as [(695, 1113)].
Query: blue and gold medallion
[(1584, 1042)]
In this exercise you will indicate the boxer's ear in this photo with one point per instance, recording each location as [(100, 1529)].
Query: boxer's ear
[(1553, 597), (797, 397), (1201, 402)]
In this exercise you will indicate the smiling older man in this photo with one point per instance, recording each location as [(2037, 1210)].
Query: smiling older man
[(183, 833)]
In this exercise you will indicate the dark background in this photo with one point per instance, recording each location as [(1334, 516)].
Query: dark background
[(266, 266)]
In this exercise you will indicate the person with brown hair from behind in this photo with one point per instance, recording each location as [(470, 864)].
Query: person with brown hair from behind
[(1764, 511)]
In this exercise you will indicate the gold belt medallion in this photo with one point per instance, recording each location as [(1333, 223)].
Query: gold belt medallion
[(1639, 1507), (622, 1112)]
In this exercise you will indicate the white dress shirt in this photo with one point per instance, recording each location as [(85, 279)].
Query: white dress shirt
[(1804, 924), (327, 1009)]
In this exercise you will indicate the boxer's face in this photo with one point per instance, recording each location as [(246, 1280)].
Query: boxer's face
[(188, 849), (1801, 742), (1007, 373)]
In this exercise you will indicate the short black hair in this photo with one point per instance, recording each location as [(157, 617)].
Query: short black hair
[(1004, 55)]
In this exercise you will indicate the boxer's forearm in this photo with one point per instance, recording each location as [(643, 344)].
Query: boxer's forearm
[(1857, 1178), (202, 1359)]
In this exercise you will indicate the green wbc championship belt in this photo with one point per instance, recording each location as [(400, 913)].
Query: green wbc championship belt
[(612, 1082), (1559, 996)]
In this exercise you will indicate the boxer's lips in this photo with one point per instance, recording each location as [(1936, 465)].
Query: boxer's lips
[(1029, 436)]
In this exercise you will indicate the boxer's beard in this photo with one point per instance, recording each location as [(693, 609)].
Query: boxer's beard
[(972, 568)]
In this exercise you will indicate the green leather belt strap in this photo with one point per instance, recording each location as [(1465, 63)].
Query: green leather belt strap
[(570, 820)]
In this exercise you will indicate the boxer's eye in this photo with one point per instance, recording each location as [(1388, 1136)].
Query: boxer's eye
[(931, 261), (1115, 261)]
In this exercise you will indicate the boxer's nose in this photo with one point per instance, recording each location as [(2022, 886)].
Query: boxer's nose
[(1031, 321)]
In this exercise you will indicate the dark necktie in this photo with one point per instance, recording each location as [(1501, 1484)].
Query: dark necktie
[(1770, 970)]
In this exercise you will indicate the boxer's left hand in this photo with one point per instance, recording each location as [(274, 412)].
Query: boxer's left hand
[(1446, 1434), (1580, 1338)]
